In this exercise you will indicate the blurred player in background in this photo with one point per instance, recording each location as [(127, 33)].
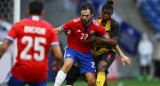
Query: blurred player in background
[(34, 37), (103, 54), (78, 50)]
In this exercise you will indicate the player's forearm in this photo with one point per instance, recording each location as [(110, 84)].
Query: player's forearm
[(4, 46), (118, 50), (59, 30), (110, 42), (2, 50)]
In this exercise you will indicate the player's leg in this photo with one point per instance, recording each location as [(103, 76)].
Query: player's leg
[(87, 66), (15, 82), (90, 78), (68, 62), (103, 65), (72, 75)]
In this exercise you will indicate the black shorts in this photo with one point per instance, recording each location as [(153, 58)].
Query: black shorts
[(108, 57), (74, 72)]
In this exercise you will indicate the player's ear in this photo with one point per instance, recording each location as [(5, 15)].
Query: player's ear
[(42, 13), (28, 12)]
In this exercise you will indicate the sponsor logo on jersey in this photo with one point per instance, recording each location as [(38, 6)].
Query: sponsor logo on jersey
[(79, 30)]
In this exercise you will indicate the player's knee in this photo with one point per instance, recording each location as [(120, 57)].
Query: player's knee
[(102, 67), (92, 82), (68, 63)]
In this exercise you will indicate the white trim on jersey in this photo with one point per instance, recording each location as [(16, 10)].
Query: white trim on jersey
[(54, 43), (62, 29), (105, 34), (9, 38)]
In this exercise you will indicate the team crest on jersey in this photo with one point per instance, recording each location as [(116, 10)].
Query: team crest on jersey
[(92, 32), (79, 30)]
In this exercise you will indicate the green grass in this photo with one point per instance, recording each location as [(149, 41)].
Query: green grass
[(119, 83)]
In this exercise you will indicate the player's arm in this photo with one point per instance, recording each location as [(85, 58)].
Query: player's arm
[(4, 46), (107, 40), (57, 57), (59, 30), (122, 56)]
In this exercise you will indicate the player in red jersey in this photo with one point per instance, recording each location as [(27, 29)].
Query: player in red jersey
[(34, 37), (78, 50)]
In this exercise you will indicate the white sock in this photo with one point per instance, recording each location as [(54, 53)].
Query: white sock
[(68, 85), (60, 78)]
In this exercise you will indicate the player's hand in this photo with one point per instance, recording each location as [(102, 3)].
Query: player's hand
[(91, 38), (55, 65), (68, 32), (126, 59)]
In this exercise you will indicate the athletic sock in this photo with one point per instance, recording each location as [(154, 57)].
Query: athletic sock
[(60, 78), (100, 79), (68, 85)]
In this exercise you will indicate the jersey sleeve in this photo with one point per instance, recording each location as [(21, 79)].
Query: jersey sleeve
[(114, 29), (67, 26), (101, 31), (12, 34), (54, 38)]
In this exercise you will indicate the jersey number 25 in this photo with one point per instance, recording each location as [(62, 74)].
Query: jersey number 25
[(37, 47)]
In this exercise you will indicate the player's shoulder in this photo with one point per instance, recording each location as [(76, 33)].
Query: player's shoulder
[(114, 22), (76, 20), (46, 23), (21, 22), (95, 22)]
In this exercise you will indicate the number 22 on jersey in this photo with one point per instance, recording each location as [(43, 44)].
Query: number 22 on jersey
[(37, 47)]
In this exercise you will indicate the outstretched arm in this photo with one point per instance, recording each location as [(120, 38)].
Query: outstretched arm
[(123, 57), (59, 30), (4, 46)]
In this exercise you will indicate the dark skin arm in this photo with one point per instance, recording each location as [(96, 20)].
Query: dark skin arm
[(112, 41), (4, 46)]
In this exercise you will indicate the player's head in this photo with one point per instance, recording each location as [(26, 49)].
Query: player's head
[(87, 11), (36, 8), (107, 10)]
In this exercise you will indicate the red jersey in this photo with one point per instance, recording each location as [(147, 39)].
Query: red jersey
[(79, 32), (34, 37)]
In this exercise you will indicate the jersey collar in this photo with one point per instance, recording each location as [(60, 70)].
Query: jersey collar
[(109, 18), (86, 27), (36, 18)]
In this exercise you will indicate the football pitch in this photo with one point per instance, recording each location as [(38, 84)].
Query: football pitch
[(120, 83)]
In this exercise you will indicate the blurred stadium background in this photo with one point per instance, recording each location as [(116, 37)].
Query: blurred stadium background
[(135, 17)]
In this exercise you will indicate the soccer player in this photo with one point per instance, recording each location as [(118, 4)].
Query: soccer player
[(78, 50), (34, 37), (103, 54)]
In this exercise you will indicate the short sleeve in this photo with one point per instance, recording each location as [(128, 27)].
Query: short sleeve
[(101, 31), (12, 34), (114, 29), (54, 38), (67, 26)]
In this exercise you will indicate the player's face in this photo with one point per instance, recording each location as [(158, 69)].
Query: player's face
[(106, 14), (86, 17)]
